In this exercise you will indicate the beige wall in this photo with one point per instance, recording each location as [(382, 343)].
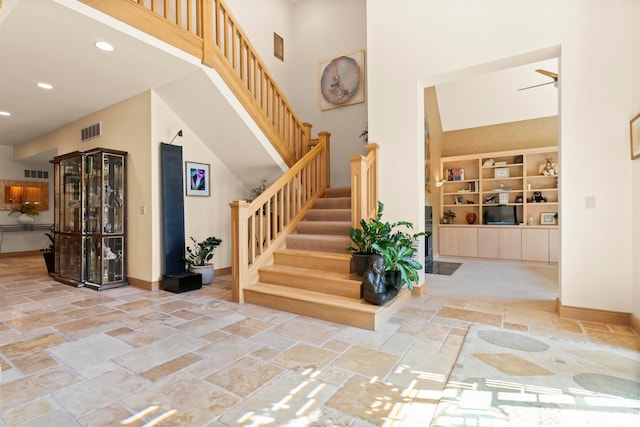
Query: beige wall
[(126, 126), (535, 133)]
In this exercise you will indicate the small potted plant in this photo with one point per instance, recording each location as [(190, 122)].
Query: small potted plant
[(448, 217), (49, 254), (198, 257)]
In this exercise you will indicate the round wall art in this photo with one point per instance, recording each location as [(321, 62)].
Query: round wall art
[(341, 81)]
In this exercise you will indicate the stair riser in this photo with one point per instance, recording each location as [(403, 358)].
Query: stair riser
[(328, 215), (304, 242), (309, 261), (313, 309), (333, 203), (338, 192), (324, 227), (345, 288)]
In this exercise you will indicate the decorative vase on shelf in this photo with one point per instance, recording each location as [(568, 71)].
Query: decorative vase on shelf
[(25, 219), (471, 218)]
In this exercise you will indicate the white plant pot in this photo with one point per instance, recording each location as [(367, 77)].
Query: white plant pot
[(207, 272), (25, 219)]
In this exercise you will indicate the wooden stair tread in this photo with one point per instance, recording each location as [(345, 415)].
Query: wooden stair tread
[(318, 254), (309, 272), (319, 298)]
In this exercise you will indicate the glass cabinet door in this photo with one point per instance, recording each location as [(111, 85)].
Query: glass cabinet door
[(92, 200), (70, 198), (112, 259), (113, 183)]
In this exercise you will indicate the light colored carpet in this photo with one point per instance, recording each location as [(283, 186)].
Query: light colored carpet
[(510, 378)]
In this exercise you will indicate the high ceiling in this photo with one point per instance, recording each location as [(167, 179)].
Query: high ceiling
[(44, 41)]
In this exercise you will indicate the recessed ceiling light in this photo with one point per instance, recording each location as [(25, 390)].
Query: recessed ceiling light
[(5, 113), (43, 85), (104, 46)]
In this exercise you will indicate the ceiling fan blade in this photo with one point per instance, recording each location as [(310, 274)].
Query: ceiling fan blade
[(554, 76), (543, 84)]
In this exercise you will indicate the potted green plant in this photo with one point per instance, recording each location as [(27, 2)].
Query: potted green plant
[(448, 217), (398, 252), (198, 257), (49, 254), (363, 238)]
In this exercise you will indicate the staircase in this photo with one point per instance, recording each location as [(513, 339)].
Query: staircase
[(312, 276)]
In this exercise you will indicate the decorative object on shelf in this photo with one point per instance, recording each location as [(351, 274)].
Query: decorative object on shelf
[(519, 159), (375, 289), (471, 218), (548, 218), (634, 128), (519, 199), (448, 217), (501, 173), (503, 198), (549, 168), (197, 179), (490, 198), (342, 81), (488, 163), (459, 200), (530, 220), (197, 257), (537, 198), (278, 47)]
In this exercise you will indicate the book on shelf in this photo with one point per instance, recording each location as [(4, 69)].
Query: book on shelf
[(456, 174)]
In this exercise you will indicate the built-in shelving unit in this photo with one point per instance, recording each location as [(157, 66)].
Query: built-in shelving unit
[(528, 180)]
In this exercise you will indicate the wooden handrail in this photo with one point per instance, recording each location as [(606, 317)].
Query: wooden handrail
[(208, 30), (260, 227), (364, 185)]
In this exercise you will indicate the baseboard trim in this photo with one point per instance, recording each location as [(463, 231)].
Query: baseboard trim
[(595, 315), (635, 323), (419, 290), (222, 271), (144, 284), (19, 254)]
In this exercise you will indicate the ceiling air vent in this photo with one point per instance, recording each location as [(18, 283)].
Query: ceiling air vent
[(91, 132)]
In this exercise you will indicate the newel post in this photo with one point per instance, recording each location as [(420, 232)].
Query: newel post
[(239, 254), (206, 31), (306, 137), (358, 189), (325, 137)]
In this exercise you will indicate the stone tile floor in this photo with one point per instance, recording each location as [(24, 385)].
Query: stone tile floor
[(74, 356)]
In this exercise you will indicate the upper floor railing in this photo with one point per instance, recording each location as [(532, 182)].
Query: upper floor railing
[(208, 30)]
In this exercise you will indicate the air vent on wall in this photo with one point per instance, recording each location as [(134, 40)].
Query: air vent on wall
[(91, 132)]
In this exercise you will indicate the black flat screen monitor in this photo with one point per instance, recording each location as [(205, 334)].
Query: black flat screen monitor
[(500, 215)]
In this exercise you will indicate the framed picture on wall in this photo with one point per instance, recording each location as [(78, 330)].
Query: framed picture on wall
[(197, 179), (635, 137), (341, 81)]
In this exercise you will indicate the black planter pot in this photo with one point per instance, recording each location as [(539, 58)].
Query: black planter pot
[(393, 278), (360, 262), (50, 261)]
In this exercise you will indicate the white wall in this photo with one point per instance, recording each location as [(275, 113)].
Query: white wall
[(14, 170), (313, 31), (204, 216), (322, 30), (635, 109), (410, 42)]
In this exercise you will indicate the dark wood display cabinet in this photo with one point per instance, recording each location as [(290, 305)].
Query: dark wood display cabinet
[(90, 218)]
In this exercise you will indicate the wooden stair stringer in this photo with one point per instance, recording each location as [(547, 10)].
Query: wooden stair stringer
[(332, 308)]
